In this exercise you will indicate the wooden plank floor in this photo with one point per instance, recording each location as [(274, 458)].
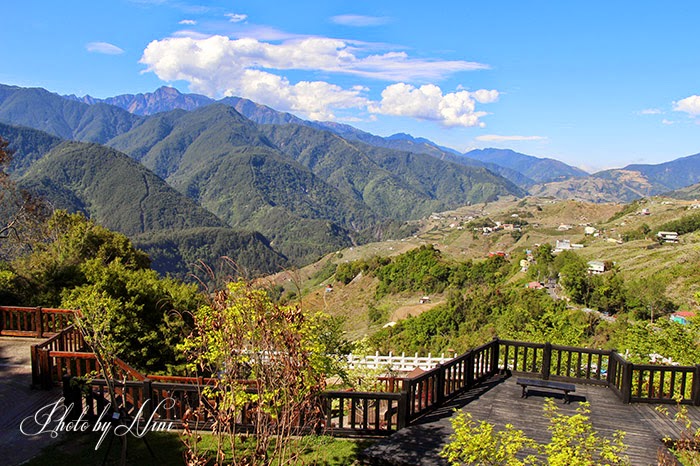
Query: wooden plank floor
[(499, 402), (19, 401)]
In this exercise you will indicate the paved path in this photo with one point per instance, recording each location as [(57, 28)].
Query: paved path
[(18, 401), (499, 402)]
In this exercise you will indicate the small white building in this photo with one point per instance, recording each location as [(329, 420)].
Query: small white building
[(668, 236), (562, 245), (596, 267), (566, 245), (590, 230)]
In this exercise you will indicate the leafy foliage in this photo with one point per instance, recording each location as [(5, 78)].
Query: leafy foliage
[(424, 269), (420, 269), (57, 263), (242, 335), (147, 316), (83, 265), (347, 271), (574, 442), (479, 444)]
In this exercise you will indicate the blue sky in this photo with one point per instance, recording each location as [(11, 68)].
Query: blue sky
[(596, 84)]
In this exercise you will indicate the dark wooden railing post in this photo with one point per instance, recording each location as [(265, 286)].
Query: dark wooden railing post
[(612, 367), (440, 384), (45, 380), (404, 409), (546, 360), (469, 373), (72, 397), (147, 398), (36, 371), (696, 386), (494, 356), (39, 325), (626, 388)]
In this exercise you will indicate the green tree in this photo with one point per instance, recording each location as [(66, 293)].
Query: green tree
[(543, 268), (245, 340), (575, 280), (647, 299), (609, 295), (56, 263), (94, 321), (153, 313)]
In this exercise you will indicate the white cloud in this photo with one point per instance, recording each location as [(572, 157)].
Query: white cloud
[(689, 105), (103, 47), (310, 53), (667, 122), (651, 111), (189, 33), (499, 138), (428, 103), (189, 22), (215, 69), (218, 65), (359, 20), (236, 17), (263, 33)]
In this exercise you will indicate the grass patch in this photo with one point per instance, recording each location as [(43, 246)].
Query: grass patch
[(79, 449)]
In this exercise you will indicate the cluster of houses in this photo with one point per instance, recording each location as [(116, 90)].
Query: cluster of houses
[(500, 226)]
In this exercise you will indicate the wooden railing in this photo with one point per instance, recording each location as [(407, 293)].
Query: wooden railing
[(64, 352), (664, 384), (350, 413), (363, 413), (67, 353), (434, 387), (632, 383), (34, 322)]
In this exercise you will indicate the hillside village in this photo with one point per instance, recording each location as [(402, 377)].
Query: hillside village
[(599, 233)]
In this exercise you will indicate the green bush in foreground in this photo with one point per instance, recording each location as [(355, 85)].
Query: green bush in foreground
[(574, 442)]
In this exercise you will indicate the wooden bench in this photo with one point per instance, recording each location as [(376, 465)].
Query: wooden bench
[(547, 384)]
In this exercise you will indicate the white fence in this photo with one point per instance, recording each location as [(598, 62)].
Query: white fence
[(401, 363)]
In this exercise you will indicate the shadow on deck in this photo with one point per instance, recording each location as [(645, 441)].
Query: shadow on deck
[(19, 400), (499, 402)]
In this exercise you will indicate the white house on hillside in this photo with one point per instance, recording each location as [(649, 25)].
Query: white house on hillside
[(668, 236), (596, 267)]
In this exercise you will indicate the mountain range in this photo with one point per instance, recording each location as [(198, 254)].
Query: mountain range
[(306, 190), (188, 177)]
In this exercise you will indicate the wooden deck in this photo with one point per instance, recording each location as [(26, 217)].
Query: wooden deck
[(18, 401), (499, 402)]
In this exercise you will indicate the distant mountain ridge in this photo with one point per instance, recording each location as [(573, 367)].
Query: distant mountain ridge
[(162, 99), (308, 187), (289, 181), (541, 170), (521, 169), (629, 183)]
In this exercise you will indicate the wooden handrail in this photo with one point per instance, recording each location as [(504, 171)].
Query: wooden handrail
[(645, 383), (32, 321)]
